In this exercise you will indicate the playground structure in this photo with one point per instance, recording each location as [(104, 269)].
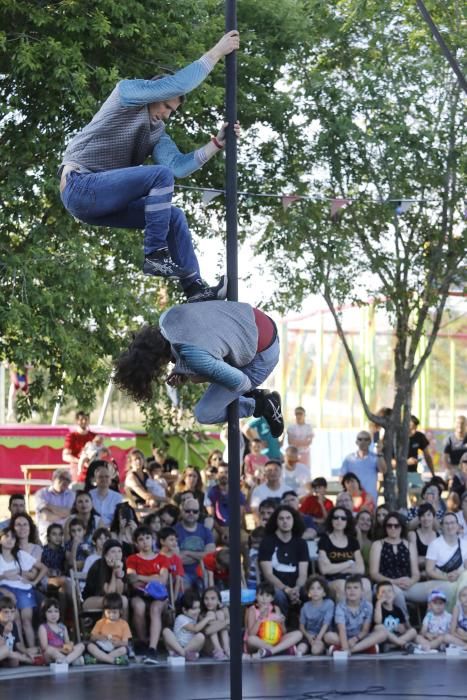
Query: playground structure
[(315, 372)]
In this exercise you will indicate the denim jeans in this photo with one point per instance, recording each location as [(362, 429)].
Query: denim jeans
[(212, 407), (138, 197)]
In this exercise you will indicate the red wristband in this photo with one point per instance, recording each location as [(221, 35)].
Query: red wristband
[(216, 143)]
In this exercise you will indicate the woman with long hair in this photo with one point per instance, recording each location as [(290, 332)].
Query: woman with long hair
[(84, 510), (136, 476), (339, 554)]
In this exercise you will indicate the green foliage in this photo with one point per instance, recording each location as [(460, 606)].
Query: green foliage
[(70, 292)]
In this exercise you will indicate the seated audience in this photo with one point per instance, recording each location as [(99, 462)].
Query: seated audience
[(111, 634), (339, 553), (187, 638), (16, 505), (265, 510), (54, 557), (26, 535), (316, 504), (316, 616), (217, 633), (273, 487), (364, 530), (216, 566), (190, 480), (283, 557), (380, 516), (156, 484), (290, 498), (84, 510), (253, 575), (353, 620), (266, 634), (394, 558), (54, 502), (136, 477), (431, 493), (388, 616), (424, 535), (361, 500), (457, 634), (194, 540), (436, 623), (19, 575), (54, 640), (104, 499), (107, 575), (123, 526), (12, 649)]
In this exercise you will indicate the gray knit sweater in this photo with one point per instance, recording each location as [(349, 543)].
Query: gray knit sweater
[(121, 134), (225, 329)]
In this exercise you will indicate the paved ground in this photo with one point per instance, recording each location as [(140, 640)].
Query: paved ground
[(397, 678)]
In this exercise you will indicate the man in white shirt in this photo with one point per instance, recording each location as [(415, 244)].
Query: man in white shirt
[(295, 475), (103, 498), (54, 502), (273, 488)]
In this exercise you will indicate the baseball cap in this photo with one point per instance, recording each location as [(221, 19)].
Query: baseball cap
[(437, 595)]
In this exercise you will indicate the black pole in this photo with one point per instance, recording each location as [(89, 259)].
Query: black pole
[(233, 416), (442, 44)]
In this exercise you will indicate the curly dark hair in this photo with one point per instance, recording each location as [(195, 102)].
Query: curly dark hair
[(349, 528), (138, 367), (33, 535), (298, 524)]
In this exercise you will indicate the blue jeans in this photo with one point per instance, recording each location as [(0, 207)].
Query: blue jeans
[(212, 407), (138, 197)]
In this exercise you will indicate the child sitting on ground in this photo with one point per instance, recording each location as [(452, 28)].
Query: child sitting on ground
[(110, 634), (187, 638), (265, 627), (316, 616), (217, 632), (391, 618), (436, 624), (12, 649), (53, 637), (457, 634), (353, 618)]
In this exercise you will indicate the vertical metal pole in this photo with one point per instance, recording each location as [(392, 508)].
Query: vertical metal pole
[(233, 412)]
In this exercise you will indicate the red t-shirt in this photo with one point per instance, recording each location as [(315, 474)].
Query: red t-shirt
[(143, 567), (311, 506), (174, 564), (209, 561), (76, 441)]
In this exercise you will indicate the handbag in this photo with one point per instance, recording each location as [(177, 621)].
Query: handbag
[(156, 590)]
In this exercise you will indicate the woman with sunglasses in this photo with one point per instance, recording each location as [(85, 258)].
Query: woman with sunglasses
[(394, 558), (339, 554)]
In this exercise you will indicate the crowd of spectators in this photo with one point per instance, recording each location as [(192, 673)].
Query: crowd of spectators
[(150, 557)]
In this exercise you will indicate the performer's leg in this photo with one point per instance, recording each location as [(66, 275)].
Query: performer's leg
[(212, 407), (97, 198)]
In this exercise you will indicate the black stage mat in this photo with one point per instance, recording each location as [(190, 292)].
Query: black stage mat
[(288, 679)]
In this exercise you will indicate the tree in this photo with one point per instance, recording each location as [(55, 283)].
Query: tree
[(381, 120), (71, 292)]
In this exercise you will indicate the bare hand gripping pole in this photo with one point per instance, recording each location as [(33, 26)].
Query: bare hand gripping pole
[(234, 430), (442, 44)]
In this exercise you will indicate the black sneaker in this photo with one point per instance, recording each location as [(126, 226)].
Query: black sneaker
[(150, 658), (161, 264), (199, 291), (273, 414)]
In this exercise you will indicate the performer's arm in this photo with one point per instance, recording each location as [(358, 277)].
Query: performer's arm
[(182, 164), (203, 363), (135, 93)]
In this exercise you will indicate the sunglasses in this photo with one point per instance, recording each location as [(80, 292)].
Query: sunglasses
[(190, 510), (339, 517), (363, 439), (395, 525)]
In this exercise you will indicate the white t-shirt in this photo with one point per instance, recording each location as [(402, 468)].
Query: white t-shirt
[(27, 563), (296, 479), (440, 552), (261, 492)]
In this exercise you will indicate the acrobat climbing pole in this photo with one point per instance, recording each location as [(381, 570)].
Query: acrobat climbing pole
[(233, 417)]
